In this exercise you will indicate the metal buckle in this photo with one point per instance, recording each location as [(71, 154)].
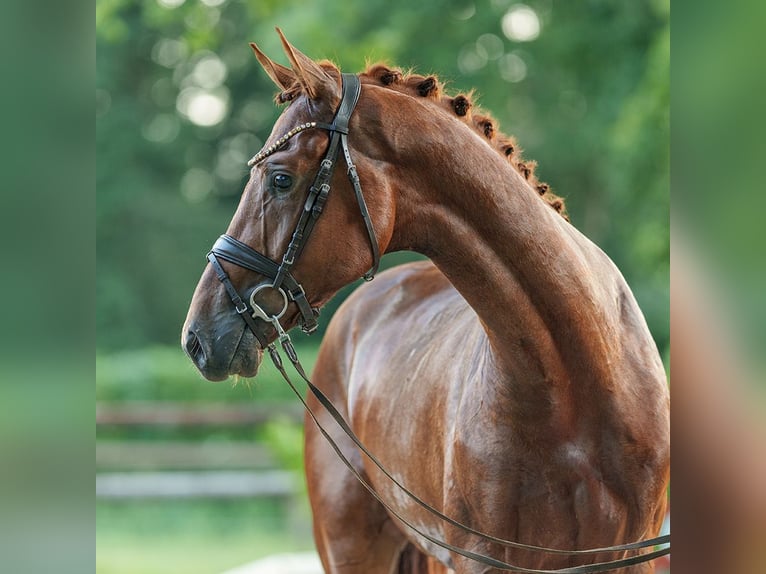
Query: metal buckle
[(240, 306), (297, 293), (286, 261)]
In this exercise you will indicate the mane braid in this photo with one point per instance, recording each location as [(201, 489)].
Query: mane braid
[(461, 105)]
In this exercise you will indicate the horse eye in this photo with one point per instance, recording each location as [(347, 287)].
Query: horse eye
[(282, 182)]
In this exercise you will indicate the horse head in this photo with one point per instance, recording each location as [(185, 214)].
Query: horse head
[(298, 259)]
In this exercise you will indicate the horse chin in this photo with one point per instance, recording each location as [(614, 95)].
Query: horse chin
[(247, 357)]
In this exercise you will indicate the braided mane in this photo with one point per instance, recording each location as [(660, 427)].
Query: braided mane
[(462, 107)]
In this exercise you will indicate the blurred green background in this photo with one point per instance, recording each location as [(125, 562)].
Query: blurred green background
[(182, 104)]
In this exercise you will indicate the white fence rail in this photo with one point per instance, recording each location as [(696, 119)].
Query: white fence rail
[(207, 484)]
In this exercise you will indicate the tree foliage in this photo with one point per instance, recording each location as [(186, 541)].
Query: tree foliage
[(182, 104)]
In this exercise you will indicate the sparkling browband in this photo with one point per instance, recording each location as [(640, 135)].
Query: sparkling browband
[(264, 153)]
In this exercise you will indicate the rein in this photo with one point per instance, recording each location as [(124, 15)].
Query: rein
[(289, 350), (238, 253)]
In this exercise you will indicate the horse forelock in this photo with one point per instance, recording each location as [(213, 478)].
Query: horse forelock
[(295, 90), (461, 105)]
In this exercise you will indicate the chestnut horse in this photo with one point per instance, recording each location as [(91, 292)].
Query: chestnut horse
[(511, 382)]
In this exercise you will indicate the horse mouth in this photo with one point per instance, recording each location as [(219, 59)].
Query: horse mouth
[(240, 355), (247, 356)]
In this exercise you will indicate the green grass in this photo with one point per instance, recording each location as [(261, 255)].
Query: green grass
[(195, 537)]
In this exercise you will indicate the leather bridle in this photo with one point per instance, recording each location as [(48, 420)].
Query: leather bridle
[(234, 251), (238, 253)]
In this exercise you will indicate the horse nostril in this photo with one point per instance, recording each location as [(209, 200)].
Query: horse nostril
[(193, 346)]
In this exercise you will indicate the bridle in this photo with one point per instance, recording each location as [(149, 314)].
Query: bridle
[(238, 253), (234, 251)]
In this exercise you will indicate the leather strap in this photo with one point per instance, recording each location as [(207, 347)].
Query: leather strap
[(354, 177), (234, 251), (489, 561), (241, 306), (353, 85), (320, 188)]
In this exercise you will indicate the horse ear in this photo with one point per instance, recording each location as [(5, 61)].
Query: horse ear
[(312, 77), (282, 76)]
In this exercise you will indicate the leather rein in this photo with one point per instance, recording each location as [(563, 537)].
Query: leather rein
[(234, 251)]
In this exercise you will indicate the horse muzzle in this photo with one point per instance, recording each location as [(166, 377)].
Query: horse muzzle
[(224, 348)]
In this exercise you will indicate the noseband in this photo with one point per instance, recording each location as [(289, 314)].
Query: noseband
[(234, 251)]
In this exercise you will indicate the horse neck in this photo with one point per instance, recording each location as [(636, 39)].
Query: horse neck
[(548, 299)]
